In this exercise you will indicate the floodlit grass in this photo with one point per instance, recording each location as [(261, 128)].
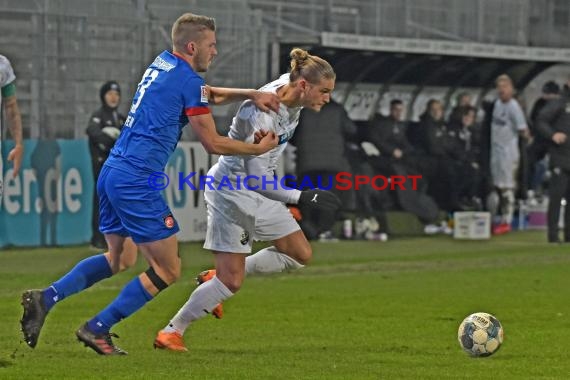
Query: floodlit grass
[(362, 310)]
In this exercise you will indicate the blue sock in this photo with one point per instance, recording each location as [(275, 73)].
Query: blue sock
[(87, 272), (132, 297)]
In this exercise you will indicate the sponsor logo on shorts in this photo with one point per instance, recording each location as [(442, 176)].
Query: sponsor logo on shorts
[(244, 238), (169, 221)]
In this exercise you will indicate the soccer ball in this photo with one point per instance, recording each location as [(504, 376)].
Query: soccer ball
[(480, 334)]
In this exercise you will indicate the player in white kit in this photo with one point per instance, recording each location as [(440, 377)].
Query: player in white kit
[(507, 124), (8, 92), (237, 215)]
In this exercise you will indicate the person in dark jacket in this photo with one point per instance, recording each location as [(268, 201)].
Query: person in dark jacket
[(553, 124), (397, 156), (465, 145), (390, 134), (463, 100), (321, 139), (440, 166), (103, 130), (538, 148)]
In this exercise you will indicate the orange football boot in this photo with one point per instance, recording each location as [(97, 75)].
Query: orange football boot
[(170, 341), (204, 276)]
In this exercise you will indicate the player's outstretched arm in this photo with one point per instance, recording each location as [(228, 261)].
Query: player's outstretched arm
[(15, 123), (259, 173), (265, 101), (205, 129)]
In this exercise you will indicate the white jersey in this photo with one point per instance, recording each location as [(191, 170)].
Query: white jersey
[(237, 217), (508, 120), (250, 119), (6, 77)]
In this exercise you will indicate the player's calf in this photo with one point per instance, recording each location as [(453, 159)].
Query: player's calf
[(207, 275)]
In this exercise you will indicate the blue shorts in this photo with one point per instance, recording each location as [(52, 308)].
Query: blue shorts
[(128, 206)]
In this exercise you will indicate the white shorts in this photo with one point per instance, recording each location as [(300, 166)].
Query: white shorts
[(237, 217), (504, 170)]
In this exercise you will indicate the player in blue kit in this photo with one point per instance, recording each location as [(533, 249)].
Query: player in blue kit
[(132, 214)]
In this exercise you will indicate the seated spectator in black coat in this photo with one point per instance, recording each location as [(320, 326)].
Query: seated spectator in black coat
[(389, 135), (463, 100)]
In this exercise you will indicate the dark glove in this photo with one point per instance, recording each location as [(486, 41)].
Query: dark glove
[(319, 199)]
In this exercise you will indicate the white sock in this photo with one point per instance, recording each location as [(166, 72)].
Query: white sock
[(202, 301), (507, 205), (270, 260)]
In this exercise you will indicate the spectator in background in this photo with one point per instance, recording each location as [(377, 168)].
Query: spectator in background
[(463, 100), (539, 146), (553, 124), (440, 165), (393, 154), (465, 140), (507, 124), (388, 134), (389, 137), (103, 130), (320, 139), (10, 103)]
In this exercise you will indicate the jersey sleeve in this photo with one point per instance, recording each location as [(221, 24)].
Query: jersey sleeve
[(518, 117), (263, 181), (8, 90), (6, 72), (195, 97)]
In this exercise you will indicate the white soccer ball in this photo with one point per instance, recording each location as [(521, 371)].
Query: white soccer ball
[(112, 132), (480, 334)]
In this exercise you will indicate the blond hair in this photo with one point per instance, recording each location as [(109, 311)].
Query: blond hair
[(310, 67), (189, 27), (504, 78)]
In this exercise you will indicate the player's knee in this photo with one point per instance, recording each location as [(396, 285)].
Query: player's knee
[(128, 258), (233, 283), (171, 274), (127, 262)]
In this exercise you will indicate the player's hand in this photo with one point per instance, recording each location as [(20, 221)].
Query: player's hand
[(265, 101), (319, 199), (16, 155), (258, 135), (559, 138), (267, 142)]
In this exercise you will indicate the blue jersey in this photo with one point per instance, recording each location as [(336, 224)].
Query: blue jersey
[(169, 91)]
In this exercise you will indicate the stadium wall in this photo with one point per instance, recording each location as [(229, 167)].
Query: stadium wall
[(50, 202)]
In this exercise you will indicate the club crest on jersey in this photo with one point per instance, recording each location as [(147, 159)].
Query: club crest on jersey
[(244, 238), (169, 221), (203, 94)]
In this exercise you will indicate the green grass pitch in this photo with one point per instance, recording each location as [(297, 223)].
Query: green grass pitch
[(362, 310)]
